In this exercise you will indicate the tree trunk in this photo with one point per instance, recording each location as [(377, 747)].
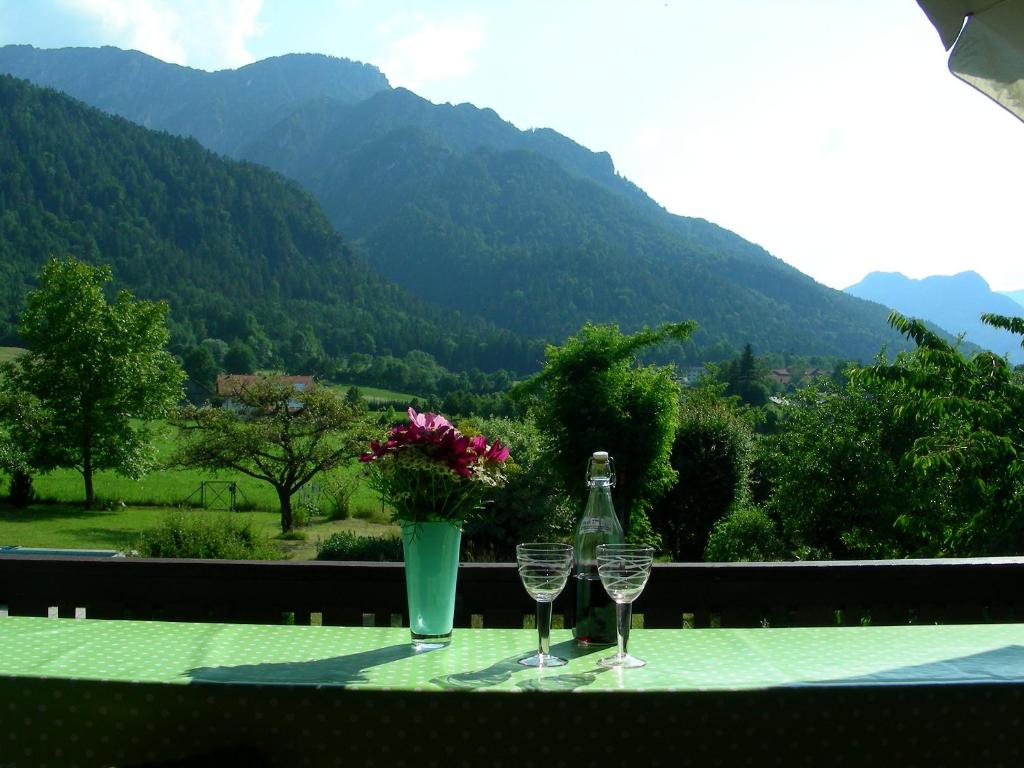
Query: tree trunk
[(285, 497), (87, 475)]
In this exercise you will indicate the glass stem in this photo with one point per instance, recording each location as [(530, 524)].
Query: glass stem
[(623, 618), (544, 627)]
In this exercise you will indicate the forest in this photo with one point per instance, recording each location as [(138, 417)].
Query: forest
[(242, 255), (463, 210)]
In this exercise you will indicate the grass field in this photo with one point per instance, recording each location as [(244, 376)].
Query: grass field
[(176, 487), (72, 527), (376, 394), (124, 507), (9, 353)]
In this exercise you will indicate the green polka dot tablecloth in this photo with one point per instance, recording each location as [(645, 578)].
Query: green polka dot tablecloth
[(87, 692)]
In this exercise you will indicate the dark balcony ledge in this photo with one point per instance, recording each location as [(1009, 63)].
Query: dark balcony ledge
[(954, 590)]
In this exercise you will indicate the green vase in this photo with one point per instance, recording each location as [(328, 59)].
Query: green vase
[(431, 569)]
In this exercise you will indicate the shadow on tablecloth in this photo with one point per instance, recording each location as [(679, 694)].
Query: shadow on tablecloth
[(338, 670)]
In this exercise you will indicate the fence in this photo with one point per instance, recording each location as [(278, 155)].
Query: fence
[(490, 595)]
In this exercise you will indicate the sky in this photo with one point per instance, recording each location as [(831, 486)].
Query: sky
[(830, 133)]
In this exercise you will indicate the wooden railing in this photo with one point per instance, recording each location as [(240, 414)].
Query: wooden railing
[(490, 595)]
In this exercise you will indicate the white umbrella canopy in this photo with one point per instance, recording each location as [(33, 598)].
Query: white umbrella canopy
[(987, 38)]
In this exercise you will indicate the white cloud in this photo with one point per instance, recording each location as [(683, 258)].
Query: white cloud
[(433, 51), (189, 32)]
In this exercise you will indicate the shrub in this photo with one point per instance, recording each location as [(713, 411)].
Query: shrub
[(219, 536), (371, 513), (346, 545), (527, 507), (746, 534), (594, 394), (337, 489), (711, 453)]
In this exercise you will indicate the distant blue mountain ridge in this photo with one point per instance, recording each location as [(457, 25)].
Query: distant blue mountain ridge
[(955, 303), (1017, 296)]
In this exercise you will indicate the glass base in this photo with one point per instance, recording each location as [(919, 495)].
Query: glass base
[(621, 661), (430, 642), (543, 660)]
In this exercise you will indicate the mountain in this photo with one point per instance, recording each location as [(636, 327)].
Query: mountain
[(954, 303), (238, 251), (193, 102), (526, 228), (1017, 296)]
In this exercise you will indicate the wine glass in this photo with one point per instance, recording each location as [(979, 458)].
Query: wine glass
[(623, 570), (544, 569)]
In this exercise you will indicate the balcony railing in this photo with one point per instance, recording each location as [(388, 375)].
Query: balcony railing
[(490, 595)]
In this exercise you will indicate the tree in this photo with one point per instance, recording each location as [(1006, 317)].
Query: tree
[(594, 395), (711, 453), (201, 367), (95, 374), (281, 436), (839, 483), (354, 396), (741, 378), (240, 358), (19, 414), (969, 444)]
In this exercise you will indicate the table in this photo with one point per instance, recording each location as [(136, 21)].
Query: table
[(93, 692)]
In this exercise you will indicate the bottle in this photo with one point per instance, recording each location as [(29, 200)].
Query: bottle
[(595, 611)]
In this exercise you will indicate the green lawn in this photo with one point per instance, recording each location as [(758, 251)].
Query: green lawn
[(71, 527), (172, 488), (9, 353), (376, 394), (63, 525), (124, 507), (176, 487)]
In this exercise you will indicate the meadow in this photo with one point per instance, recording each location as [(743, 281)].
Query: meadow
[(124, 507), (10, 353), (375, 395)]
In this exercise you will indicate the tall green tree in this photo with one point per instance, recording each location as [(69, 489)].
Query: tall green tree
[(594, 395), (712, 454), (96, 373), (742, 379), (279, 435), (970, 443), (201, 367), (240, 358), (839, 484)]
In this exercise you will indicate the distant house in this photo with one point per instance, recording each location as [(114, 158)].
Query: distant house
[(785, 377), (230, 384)]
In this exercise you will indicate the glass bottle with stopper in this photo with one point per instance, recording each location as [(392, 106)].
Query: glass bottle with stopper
[(595, 611)]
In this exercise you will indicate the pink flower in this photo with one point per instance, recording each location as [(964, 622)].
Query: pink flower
[(497, 452), (432, 443), (427, 421)]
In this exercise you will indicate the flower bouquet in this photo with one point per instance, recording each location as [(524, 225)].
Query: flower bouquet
[(433, 477)]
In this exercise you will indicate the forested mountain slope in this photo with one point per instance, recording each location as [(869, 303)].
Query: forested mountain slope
[(238, 251), (466, 210)]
